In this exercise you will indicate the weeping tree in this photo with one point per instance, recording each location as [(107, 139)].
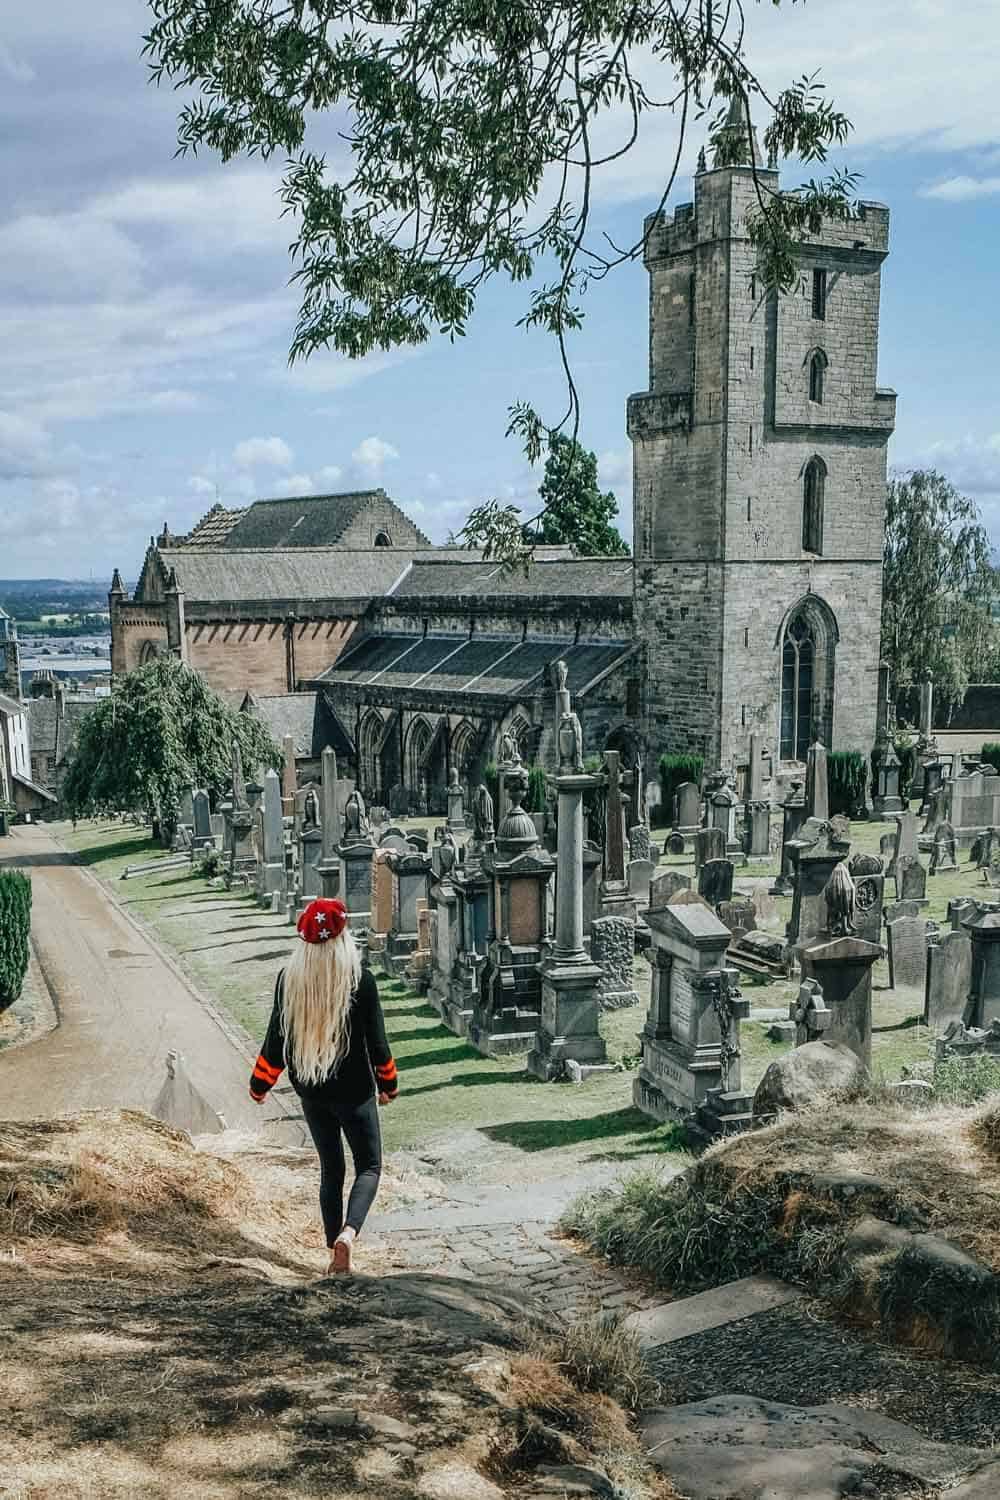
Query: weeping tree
[(162, 729), (471, 142), (938, 586)]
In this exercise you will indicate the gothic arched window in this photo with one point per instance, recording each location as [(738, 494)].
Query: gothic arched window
[(817, 369), (383, 539), (813, 487), (798, 660)]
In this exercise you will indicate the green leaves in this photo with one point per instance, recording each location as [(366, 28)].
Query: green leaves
[(938, 585), (15, 928), (162, 729)]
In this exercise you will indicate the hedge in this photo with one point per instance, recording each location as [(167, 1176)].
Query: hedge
[(846, 775), (15, 925), (991, 754), (674, 770), (536, 790)]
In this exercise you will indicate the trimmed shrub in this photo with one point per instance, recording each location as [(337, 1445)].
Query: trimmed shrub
[(536, 790), (991, 754), (674, 770), (846, 777), (15, 926)]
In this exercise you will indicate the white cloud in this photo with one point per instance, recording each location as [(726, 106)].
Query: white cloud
[(25, 447), (972, 463), (295, 484), (272, 453), (372, 454), (65, 256), (230, 208), (330, 474), (959, 189), (14, 67), (199, 485), (614, 468)]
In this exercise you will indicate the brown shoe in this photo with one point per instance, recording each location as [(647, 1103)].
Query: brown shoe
[(341, 1261)]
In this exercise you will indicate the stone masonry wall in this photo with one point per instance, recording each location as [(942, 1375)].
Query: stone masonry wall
[(235, 658)]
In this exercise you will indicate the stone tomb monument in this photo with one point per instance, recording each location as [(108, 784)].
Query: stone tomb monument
[(410, 871), (687, 809), (709, 843), (793, 815), (355, 852), (949, 978), (841, 965), (682, 1040), (715, 881), (984, 986)]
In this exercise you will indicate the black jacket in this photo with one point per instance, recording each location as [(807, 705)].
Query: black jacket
[(353, 1079)]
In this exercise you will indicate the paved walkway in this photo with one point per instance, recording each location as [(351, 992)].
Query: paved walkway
[(121, 1004)]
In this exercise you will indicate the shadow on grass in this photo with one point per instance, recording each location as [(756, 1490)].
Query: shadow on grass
[(422, 1012), (462, 1081), (232, 943), (418, 1034), (437, 1057), (907, 1025), (261, 958), (119, 850), (542, 1135), (145, 900)]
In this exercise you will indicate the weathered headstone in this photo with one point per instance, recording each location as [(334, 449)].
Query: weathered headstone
[(272, 875), (887, 849), (842, 966), (943, 849), (185, 810), (329, 865), (202, 837), (869, 893), (289, 776), (793, 815), (949, 976), (687, 807), (983, 928), (456, 802), (886, 799), (709, 843), (640, 844), (738, 915), (640, 874), (616, 898), (612, 945), (958, 910), (674, 843), (664, 888), (907, 938), (911, 878), (715, 881)]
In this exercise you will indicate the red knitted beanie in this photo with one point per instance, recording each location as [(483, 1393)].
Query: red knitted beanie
[(322, 920)]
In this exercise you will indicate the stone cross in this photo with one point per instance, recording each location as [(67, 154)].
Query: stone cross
[(239, 781), (817, 794), (614, 837)]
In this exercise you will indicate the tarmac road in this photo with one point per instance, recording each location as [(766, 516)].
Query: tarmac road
[(121, 1007)]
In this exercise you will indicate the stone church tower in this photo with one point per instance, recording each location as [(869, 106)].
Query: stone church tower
[(759, 482)]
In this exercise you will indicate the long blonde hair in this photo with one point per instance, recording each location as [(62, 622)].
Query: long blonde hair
[(316, 1005)]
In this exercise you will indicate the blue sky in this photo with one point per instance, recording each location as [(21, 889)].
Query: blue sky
[(145, 316)]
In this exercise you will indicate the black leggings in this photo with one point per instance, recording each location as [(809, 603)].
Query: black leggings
[(359, 1122)]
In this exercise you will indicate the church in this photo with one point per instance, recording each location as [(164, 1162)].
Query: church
[(751, 605)]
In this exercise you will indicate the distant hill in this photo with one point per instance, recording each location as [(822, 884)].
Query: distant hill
[(27, 600)]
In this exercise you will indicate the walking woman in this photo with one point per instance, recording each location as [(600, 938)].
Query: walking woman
[(327, 1028)]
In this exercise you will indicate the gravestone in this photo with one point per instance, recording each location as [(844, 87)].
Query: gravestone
[(715, 881), (272, 874), (709, 843), (738, 915), (399, 801), (687, 808), (887, 849), (907, 939), (456, 803), (907, 833), (722, 814), (958, 910), (612, 945), (310, 854), (793, 815), (593, 866), (640, 844), (911, 878), (816, 850), (681, 1041), (817, 796), (381, 897), (640, 875), (674, 843), (289, 776), (185, 811), (949, 976), (869, 891), (393, 838), (842, 966), (886, 799), (809, 1013), (202, 837), (983, 928), (943, 849), (664, 888)]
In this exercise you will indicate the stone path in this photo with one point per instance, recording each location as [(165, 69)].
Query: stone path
[(122, 1005), (508, 1239)]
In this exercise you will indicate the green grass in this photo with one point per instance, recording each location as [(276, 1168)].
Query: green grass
[(233, 950)]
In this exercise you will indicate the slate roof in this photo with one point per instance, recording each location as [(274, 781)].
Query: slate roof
[(305, 520), (305, 716), (213, 528), (490, 665), (221, 576), (10, 706), (39, 791), (584, 577), (51, 735)]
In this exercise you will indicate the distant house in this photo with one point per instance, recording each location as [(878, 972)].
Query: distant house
[(55, 718), (17, 788)]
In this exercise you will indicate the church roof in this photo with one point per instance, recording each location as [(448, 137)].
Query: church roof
[(293, 521), (213, 528), (229, 576), (54, 734), (305, 716), (734, 134), (584, 577), (490, 665)]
